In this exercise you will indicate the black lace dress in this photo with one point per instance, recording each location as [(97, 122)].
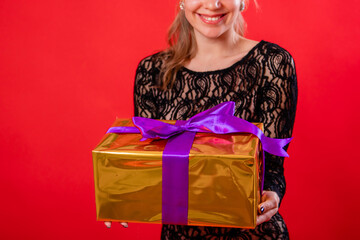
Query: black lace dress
[(264, 87)]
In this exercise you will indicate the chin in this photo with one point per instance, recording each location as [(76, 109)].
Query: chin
[(212, 35)]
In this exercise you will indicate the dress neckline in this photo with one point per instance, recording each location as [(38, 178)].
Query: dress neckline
[(227, 68)]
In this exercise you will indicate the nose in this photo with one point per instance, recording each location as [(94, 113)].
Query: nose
[(212, 4)]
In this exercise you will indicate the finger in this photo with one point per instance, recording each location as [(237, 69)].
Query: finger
[(267, 206), (107, 224), (261, 209), (124, 224), (270, 195), (266, 216), (270, 201)]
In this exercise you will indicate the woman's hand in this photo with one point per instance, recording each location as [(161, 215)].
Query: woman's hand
[(108, 224), (268, 207)]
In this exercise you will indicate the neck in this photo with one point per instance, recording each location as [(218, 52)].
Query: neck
[(220, 47)]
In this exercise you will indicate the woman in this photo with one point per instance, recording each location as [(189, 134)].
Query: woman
[(209, 62)]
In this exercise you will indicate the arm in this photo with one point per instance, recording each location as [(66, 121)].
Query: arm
[(145, 91), (276, 109)]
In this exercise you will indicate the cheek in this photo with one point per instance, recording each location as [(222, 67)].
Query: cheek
[(233, 17), (192, 5), (232, 5), (233, 2), (234, 12), (190, 17)]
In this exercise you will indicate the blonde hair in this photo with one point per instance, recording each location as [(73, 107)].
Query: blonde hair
[(182, 46)]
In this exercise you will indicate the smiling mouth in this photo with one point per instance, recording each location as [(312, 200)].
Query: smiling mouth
[(211, 19)]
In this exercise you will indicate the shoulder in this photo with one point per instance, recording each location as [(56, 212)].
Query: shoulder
[(270, 49), (152, 62), (277, 59), (148, 70)]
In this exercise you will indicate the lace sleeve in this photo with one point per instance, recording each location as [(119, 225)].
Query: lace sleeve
[(277, 104), (144, 89)]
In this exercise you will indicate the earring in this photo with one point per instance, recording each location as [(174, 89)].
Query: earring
[(217, 4), (242, 6), (182, 5)]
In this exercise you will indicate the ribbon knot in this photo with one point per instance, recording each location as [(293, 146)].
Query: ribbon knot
[(183, 127)]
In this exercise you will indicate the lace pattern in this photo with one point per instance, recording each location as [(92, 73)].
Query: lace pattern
[(263, 86)]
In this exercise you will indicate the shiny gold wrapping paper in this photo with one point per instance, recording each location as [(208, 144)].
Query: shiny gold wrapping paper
[(223, 178)]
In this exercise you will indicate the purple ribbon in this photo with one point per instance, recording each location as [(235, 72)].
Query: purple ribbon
[(175, 167)]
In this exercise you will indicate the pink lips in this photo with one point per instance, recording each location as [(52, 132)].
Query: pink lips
[(215, 19)]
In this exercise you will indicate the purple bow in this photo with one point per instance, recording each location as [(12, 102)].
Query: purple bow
[(220, 120)]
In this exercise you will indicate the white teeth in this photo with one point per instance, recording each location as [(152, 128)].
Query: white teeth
[(211, 18)]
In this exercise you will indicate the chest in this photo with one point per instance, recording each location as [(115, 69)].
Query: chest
[(193, 93), (205, 65)]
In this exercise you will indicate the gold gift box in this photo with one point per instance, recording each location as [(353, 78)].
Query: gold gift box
[(224, 178)]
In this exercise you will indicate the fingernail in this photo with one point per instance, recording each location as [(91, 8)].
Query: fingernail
[(108, 225), (262, 209), (125, 225)]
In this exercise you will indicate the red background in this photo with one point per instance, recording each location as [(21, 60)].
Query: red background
[(67, 70)]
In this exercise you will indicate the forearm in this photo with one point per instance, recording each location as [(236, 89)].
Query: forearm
[(274, 175)]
